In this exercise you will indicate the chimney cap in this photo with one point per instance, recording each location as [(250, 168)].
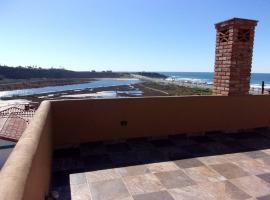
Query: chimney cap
[(236, 22)]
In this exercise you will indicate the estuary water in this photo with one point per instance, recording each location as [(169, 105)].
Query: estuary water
[(93, 84)]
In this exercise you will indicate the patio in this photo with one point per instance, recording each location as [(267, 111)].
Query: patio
[(214, 166), (208, 147)]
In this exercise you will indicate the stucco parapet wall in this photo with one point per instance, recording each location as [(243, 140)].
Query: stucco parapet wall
[(25, 174), (101, 119), (15, 173)]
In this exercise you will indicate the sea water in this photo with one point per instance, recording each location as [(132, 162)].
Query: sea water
[(207, 78)]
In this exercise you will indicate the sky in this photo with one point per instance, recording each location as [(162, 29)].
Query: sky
[(125, 35)]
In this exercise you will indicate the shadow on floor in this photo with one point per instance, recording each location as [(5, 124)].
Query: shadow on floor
[(103, 155)]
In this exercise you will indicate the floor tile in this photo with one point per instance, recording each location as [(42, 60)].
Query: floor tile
[(175, 153), (256, 154), (182, 141), (213, 160), (162, 195), (162, 167), (217, 148), (258, 144), (203, 174), (97, 162), (237, 146), (124, 158), (64, 192), (118, 147), (102, 175), (197, 150), (265, 177), (80, 192), (150, 156), (224, 190), (78, 178), (267, 151), (267, 197), (109, 190), (174, 179), (142, 184), (229, 170), (91, 148), (252, 166), (187, 163), (60, 179), (222, 137), (162, 143), (140, 144), (252, 185), (235, 157), (193, 192), (133, 170), (264, 160), (182, 168), (72, 163)]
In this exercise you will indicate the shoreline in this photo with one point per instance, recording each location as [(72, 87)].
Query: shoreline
[(174, 82), (20, 84), (143, 89)]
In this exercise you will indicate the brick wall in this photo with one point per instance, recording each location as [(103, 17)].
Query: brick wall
[(234, 46)]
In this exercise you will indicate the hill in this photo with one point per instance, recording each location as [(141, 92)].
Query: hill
[(20, 72)]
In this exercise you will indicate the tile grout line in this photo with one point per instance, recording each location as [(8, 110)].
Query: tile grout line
[(121, 177), (88, 186)]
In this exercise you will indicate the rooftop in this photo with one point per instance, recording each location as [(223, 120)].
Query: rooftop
[(200, 147), (13, 121), (214, 166)]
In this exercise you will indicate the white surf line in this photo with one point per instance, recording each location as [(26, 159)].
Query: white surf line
[(179, 83)]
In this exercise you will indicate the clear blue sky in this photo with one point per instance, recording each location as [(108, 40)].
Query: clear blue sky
[(124, 35)]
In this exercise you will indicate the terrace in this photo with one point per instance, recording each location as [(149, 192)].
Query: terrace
[(132, 148), (169, 148)]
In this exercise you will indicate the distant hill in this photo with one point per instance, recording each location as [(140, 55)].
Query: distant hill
[(37, 72), (151, 74)]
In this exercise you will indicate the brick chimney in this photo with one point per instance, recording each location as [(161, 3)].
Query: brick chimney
[(234, 46)]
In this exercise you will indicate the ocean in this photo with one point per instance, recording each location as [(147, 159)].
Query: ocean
[(207, 78)]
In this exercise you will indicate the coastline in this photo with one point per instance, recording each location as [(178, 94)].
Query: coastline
[(174, 82), (17, 84), (142, 89)]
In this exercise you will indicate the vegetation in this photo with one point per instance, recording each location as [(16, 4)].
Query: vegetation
[(11, 84), (38, 72), (172, 89), (151, 74)]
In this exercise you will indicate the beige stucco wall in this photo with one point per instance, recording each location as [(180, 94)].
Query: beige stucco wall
[(26, 173), (78, 121)]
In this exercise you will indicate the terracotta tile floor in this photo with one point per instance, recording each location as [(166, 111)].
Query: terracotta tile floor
[(216, 166)]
